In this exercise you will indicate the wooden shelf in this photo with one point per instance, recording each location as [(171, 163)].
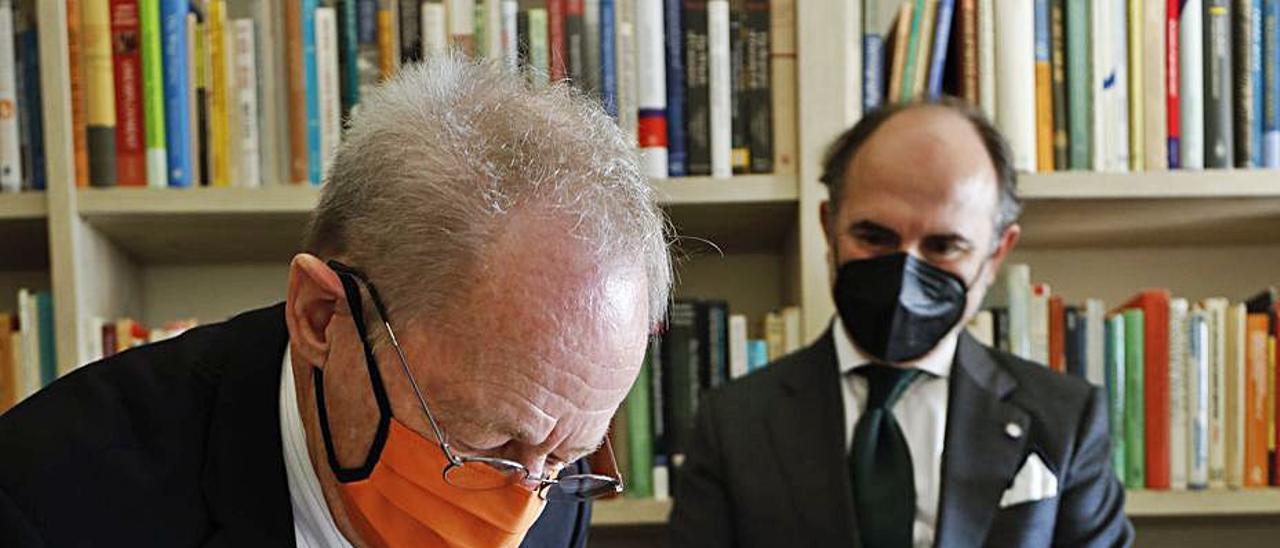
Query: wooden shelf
[(25, 233), (212, 225), (624, 511), (1162, 208)]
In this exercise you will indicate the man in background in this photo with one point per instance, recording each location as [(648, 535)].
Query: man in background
[(480, 278), (896, 428)]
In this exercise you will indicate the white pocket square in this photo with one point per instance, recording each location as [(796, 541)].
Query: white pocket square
[(1034, 482)]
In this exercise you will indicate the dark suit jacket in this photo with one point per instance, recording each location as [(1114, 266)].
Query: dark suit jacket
[(172, 444), (767, 465)]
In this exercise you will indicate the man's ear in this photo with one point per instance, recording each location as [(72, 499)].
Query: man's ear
[(315, 296), (1008, 240), (824, 218)]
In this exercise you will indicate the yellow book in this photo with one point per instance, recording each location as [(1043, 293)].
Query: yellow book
[(1137, 139), (899, 51), (219, 93), (924, 48), (99, 92), (388, 44)]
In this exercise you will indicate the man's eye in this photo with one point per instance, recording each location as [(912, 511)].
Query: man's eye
[(876, 239)]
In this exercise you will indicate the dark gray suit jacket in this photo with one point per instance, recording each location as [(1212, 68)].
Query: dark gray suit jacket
[(767, 465)]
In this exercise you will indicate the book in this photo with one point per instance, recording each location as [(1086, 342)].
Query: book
[(219, 96), (1155, 140), (1246, 67), (923, 48), (99, 91), (539, 52), (713, 337), (296, 82), (1138, 73), (1058, 68), (178, 107), (273, 94), (983, 328), (775, 335), (1173, 100), (758, 93), (1018, 289), (574, 30), (557, 43), (388, 37), (348, 54), (1271, 85), (1154, 304), (510, 36), (1057, 335), (590, 83), (757, 354), (739, 105), (1015, 97), (651, 87), (1044, 87), (1219, 151), (245, 94), (1216, 319), (1179, 428), (1116, 393), (328, 90), (1235, 372), (721, 88), (127, 78), (697, 79), (1102, 84), (901, 50), (1267, 302), (1079, 100), (673, 50), (1191, 85), (968, 51), (1257, 389), (877, 17), (1198, 389), (1074, 344), (196, 97), (1095, 342), (31, 119), (410, 19), (681, 383), (739, 359), (1135, 401), (10, 142), (44, 335), (1038, 325), (1120, 140), (911, 48), (8, 368), (627, 86), (311, 94), (435, 28), (640, 430), (939, 55), (987, 67), (791, 341)]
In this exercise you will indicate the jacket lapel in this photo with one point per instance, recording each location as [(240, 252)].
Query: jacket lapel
[(980, 457), (245, 485), (807, 430)]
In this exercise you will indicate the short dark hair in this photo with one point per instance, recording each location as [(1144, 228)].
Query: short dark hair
[(835, 164)]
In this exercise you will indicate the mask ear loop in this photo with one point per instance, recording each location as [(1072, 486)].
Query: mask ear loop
[(346, 475)]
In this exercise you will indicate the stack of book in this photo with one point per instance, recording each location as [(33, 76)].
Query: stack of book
[(21, 130), (182, 93), (1191, 386), (702, 346), (28, 356), (1105, 85)]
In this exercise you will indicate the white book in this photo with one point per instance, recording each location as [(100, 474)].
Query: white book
[(245, 87), (982, 327), (1234, 371), (1155, 132), (1018, 285), (1100, 78), (539, 58), (791, 340), (1016, 85), (1118, 98), (737, 345), (96, 323), (493, 11), (1178, 425), (1095, 318), (1038, 324), (1198, 398), (625, 26), (29, 370), (273, 145), (651, 87), (435, 32), (1216, 310), (1191, 84), (10, 141), (591, 46), (510, 41), (462, 22), (721, 107), (329, 94), (987, 58), (661, 482)]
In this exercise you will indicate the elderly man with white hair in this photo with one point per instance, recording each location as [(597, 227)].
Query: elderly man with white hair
[(478, 283)]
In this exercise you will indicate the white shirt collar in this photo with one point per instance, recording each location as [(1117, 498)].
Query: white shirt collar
[(313, 524), (849, 357)]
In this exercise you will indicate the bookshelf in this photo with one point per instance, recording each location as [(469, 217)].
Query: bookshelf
[(22, 229)]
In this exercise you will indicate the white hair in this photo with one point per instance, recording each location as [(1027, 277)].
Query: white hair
[(435, 159)]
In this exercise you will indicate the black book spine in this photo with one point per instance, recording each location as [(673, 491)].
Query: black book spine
[(759, 93), (697, 87), (1058, 60), (1242, 37), (1219, 151), (522, 40), (739, 101), (1000, 321), (713, 326), (1073, 326), (657, 409), (681, 351), (410, 31)]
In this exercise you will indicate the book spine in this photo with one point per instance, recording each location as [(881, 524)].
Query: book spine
[(328, 92), (968, 51), (941, 41), (924, 46), (435, 29), (639, 413), (245, 75), (911, 56), (1075, 351), (219, 96), (1038, 328), (1219, 139), (99, 92), (45, 338), (1256, 395), (462, 25), (297, 92), (410, 16), (759, 98), (739, 102), (556, 41), (1155, 367), (1135, 402), (10, 147), (872, 56), (900, 51), (1095, 356), (1255, 70), (1044, 87), (1235, 366), (1137, 77), (673, 47), (1271, 78), (721, 88), (987, 58), (1173, 98), (1155, 131), (591, 45), (1015, 101), (1217, 310), (349, 54), (1178, 449), (127, 76), (681, 379), (575, 39), (1079, 98), (510, 33), (369, 63), (1116, 392), (608, 57), (1242, 68), (1191, 85), (1018, 285), (311, 92), (1198, 400), (177, 99), (1103, 83), (782, 83), (738, 359), (539, 67), (273, 119), (1121, 140), (388, 43), (628, 121), (29, 55), (1058, 26), (1057, 335), (197, 94), (651, 97), (697, 87)]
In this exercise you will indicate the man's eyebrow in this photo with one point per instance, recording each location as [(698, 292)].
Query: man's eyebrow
[(950, 237), (871, 226)]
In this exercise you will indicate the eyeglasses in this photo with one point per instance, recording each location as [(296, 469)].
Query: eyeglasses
[(475, 473)]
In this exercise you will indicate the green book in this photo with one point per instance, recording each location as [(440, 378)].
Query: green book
[(639, 482), (48, 348), (1114, 362), (153, 93), (1079, 85), (909, 69), (539, 57), (1135, 476)]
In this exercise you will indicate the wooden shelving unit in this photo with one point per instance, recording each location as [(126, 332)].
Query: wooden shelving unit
[(24, 242)]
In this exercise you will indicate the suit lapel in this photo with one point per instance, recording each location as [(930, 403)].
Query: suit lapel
[(980, 457), (807, 430)]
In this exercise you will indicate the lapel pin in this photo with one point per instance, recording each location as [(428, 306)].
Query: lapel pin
[(1013, 430)]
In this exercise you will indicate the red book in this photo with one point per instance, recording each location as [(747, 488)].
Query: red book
[(126, 49), (1173, 103), (1057, 334), (556, 41), (1154, 304)]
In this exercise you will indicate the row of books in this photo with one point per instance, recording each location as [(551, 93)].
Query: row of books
[(122, 334), (1105, 85), (1191, 386), (28, 356), (702, 346), (181, 93), (21, 127)]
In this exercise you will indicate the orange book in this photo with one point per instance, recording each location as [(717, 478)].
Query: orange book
[(1044, 115), (1057, 334), (1154, 304), (299, 164), (1257, 418), (79, 107), (901, 33), (8, 380)]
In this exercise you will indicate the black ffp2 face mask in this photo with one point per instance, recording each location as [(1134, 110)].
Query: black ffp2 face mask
[(896, 307)]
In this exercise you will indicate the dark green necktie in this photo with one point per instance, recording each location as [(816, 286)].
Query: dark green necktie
[(884, 490)]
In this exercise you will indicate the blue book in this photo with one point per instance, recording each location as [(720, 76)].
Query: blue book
[(1255, 68), (677, 157), (177, 84), (872, 56), (757, 354), (941, 38), (349, 38), (48, 350), (313, 87), (367, 28), (29, 105), (608, 59), (1271, 82)]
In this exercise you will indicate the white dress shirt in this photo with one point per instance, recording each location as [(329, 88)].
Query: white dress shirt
[(313, 525), (921, 412)]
